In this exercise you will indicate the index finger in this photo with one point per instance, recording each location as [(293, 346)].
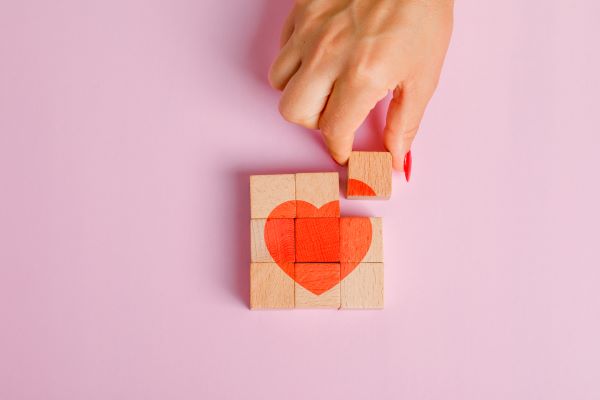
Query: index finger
[(350, 102)]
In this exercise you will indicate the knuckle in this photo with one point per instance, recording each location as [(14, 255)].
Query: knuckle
[(328, 130), (334, 137), (288, 113), (325, 47), (287, 107), (367, 73), (361, 76), (273, 80), (319, 51), (293, 115)]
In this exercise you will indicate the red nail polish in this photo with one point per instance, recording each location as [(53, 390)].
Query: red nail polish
[(407, 165)]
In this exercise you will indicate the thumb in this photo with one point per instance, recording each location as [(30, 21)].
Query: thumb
[(402, 123)]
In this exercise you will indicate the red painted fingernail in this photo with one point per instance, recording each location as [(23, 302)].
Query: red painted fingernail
[(407, 165)]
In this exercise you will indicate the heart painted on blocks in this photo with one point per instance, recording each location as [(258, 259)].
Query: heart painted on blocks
[(280, 236), (356, 187)]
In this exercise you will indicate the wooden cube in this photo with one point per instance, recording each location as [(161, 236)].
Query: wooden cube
[(363, 287), (317, 240), (317, 195), (369, 175), (272, 240), (317, 285), (361, 239), (272, 196), (270, 286)]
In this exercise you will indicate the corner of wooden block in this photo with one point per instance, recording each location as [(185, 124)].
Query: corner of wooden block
[(361, 239), (272, 196), (272, 240), (363, 287), (317, 285), (270, 287), (369, 175), (317, 194)]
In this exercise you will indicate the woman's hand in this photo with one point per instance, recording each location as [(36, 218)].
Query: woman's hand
[(340, 57)]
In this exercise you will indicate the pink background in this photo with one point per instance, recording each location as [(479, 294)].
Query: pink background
[(128, 130)]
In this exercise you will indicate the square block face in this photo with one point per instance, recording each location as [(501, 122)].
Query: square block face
[(272, 196), (361, 239), (270, 287), (272, 240), (363, 287), (317, 240), (369, 175), (317, 285), (317, 195)]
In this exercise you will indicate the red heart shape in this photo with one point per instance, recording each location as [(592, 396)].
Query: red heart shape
[(280, 238), (356, 187)]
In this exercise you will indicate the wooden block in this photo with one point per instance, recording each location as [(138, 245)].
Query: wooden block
[(317, 285), (270, 287), (317, 195), (369, 175), (317, 239), (361, 239), (272, 196), (272, 240), (363, 287)]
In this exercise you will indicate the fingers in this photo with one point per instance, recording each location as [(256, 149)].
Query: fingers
[(305, 96), (287, 30), (288, 61), (403, 118), (348, 106), (284, 67)]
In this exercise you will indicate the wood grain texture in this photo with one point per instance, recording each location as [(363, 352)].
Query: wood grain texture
[(269, 191), (272, 240), (317, 277), (358, 233), (270, 287), (363, 287), (317, 285), (318, 189), (373, 169), (317, 239)]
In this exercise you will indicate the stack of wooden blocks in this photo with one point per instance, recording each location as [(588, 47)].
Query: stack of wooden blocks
[(303, 253)]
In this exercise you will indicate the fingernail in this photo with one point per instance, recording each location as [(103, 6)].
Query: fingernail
[(407, 165)]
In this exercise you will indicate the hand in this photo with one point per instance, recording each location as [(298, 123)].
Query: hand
[(340, 57)]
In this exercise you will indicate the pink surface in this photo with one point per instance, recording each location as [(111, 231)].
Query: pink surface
[(128, 130)]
